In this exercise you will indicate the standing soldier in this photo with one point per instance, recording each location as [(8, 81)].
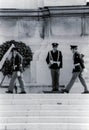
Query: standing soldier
[(54, 61), (17, 72), (77, 71)]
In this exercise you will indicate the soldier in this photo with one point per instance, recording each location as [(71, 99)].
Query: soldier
[(17, 72), (54, 61), (77, 71)]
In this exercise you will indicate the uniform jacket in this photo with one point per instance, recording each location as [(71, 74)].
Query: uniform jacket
[(55, 56), (78, 62), (17, 62)]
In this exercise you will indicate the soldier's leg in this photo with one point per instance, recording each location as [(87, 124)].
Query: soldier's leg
[(12, 81), (70, 84), (53, 78), (83, 82), (21, 82), (57, 74)]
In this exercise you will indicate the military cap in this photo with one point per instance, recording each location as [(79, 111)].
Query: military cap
[(73, 46), (54, 44)]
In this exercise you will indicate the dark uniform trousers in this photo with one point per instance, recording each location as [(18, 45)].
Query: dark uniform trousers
[(13, 79), (74, 76), (55, 73)]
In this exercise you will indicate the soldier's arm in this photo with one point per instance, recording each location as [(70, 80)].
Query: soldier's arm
[(61, 60), (47, 58)]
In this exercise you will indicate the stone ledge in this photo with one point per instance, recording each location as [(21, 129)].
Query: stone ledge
[(45, 11)]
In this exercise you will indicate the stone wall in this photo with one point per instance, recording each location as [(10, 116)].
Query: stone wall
[(42, 27), (64, 2), (34, 4)]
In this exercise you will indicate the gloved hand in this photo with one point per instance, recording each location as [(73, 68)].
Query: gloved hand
[(19, 74), (58, 63), (51, 62)]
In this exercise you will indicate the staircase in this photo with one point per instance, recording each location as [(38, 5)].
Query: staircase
[(44, 112)]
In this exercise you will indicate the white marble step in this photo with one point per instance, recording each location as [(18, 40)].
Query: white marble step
[(45, 113), (44, 101), (43, 107), (44, 126), (44, 96), (43, 119)]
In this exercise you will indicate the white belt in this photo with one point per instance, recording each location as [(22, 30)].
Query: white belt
[(77, 64)]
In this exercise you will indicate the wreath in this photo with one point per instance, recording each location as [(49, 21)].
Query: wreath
[(22, 48)]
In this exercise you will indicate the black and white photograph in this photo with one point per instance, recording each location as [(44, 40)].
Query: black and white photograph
[(44, 64)]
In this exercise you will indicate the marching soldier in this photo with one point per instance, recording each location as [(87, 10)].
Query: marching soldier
[(17, 72), (54, 61), (77, 71)]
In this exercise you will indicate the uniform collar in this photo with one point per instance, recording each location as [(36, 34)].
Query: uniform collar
[(54, 51)]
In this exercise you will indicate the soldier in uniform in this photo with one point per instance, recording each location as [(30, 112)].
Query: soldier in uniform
[(17, 72), (77, 71), (54, 61)]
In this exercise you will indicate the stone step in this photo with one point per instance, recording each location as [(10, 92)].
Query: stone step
[(44, 96), (44, 101), (43, 119), (44, 126), (44, 112), (43, 107), (40, 113)]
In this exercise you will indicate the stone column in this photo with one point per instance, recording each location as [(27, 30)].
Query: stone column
[(46, 22), (83, 26)]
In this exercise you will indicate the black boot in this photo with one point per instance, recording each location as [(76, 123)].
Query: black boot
[(9, 91), (85, 92), (55, 90), (23, 92), (64, 91)]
